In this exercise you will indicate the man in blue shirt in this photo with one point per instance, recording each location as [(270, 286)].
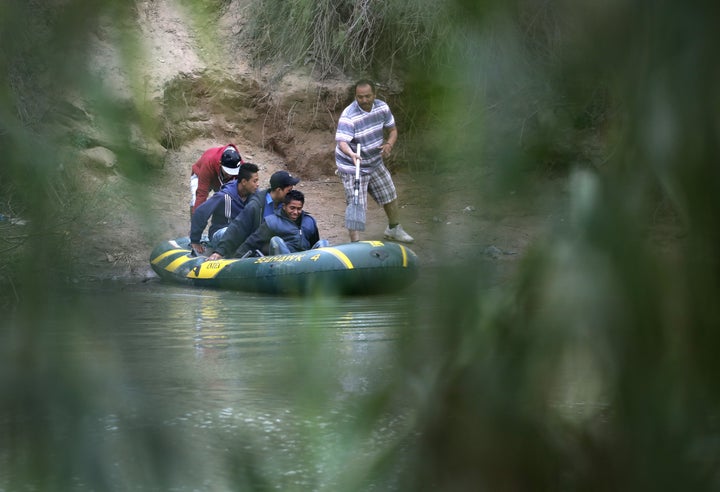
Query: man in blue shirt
[(260, 205), (365, 122), (289, 230), (222, 207)]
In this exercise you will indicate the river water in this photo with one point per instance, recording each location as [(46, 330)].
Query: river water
[(153, 386), (162, 387)]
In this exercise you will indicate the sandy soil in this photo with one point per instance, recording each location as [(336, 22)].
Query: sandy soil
[(448, 221)]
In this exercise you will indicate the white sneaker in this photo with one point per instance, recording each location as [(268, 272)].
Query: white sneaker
[(398, 234)]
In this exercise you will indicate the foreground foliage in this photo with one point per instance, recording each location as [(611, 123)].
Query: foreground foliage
[(485, 368)]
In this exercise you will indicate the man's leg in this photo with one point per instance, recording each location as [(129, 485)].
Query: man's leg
[(323, 243), (382, 189), (391, 210), (215, 240), (278, 246)]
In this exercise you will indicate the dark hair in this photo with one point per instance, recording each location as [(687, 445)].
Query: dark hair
[(365, 82), (247, 169), (294, 195)]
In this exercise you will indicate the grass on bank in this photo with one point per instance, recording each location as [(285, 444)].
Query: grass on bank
[(341, 36), (483, 369)]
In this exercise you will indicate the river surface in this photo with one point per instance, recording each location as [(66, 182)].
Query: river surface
[(174, 388), (153, 386)]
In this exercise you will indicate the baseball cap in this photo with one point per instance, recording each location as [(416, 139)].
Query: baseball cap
[(230, 161), (281, 179)]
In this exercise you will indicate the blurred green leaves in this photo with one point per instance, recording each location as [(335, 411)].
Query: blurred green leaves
[(596, 367), (603, 355)]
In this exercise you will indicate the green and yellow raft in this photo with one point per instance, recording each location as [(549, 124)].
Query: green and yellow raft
[(361, 268)]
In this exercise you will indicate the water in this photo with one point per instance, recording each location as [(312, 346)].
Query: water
[(160, 387)]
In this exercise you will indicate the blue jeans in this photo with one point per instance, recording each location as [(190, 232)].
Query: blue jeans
[(278, 246), (213, 243)]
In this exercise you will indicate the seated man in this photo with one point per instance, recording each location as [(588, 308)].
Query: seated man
[(289, 230), (222, 207), (262, 204)]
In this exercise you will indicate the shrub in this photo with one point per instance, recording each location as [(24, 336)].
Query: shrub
[(346, 36)]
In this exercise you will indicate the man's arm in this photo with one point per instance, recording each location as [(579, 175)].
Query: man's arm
[(238, 230), (345, 148), (231, 239), (388, 145), (203, 190), (199, 221), (257, 239)]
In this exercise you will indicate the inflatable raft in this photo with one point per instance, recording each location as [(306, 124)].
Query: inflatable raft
[(361, 268)]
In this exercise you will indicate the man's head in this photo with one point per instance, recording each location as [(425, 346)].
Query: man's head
[(247, 178), (293, 203), (230, 161), (365, 94), (280, 183)]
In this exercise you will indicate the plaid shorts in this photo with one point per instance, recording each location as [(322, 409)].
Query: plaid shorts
[(378, 184)]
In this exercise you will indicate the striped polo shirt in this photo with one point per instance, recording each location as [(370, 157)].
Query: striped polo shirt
[(366, 128)]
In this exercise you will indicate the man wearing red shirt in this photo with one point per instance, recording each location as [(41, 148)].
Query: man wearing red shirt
[(215, 167)]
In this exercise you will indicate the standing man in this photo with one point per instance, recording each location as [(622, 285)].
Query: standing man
[(261, 205), (215, 167), (222, 207), (365, 122)]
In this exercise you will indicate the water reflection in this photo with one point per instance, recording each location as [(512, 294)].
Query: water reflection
[(237, 380)]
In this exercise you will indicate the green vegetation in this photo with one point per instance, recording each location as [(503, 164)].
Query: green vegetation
[(452, 66), (44, 50), (620, 98), (343, 36)]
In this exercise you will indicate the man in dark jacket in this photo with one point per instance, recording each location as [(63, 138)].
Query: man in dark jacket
[(288, 230), (261, 205), (223, 206)]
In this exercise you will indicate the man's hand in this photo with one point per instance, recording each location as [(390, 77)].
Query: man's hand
[(214, 256), (385, 149), (198, 248)]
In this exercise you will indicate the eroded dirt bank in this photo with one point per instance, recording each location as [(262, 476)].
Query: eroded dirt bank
[(279, 120)]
